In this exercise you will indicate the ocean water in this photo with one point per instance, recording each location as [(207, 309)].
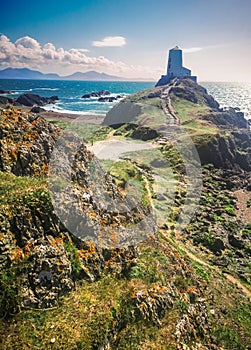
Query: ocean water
[(70, 93), (231, 95)]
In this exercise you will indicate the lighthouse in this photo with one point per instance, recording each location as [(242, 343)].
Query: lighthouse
[(175, 68)]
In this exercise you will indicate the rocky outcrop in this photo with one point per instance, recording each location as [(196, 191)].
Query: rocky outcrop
[(33, 99), (109, 99), (28, 100), (189, 90), (230, 152), (26, 143), (102, 95), (96, 94), (93, 214)]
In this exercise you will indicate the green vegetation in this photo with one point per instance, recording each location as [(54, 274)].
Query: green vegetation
[(130, 178), (230, 210), (202, 272), (9, 292), (88, 132), (190, 115), (23, 191), (227, 334), (74, 258)]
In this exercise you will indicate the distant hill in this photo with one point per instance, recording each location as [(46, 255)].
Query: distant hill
[(26, 73), (92, 75)]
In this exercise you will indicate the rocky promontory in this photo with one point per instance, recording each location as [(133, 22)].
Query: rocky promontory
[(75, 271)]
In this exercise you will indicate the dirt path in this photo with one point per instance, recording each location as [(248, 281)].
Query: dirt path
[(167, 107)]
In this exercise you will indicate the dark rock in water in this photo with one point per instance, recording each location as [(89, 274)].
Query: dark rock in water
[(4, 100), (33, 99), (37, 109), (107, 99), (96, 94), (5, 92)]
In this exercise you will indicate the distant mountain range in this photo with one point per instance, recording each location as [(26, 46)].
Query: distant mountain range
[(26, 73)]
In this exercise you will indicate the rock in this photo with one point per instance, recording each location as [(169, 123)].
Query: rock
[(96, 94), (225, 152), (5, 92), (33, 99), (123, 112), (144, 134), (235, 241), (37, 110), (107, 99), (4, 100), (37, 231)]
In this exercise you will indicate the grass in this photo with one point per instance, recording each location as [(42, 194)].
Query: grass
[(87, 132), (187, 110), (190, 115), (130, 179), (22, 190)]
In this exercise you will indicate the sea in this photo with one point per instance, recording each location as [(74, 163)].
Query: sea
[(237, 95)]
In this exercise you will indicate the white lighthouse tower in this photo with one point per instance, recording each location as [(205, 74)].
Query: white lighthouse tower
[(175, 68)]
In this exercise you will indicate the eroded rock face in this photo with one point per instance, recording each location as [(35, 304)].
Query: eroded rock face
[(26, 143), (232, 152), (81, 238)]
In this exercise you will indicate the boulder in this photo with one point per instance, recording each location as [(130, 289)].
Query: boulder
[(37, 109)]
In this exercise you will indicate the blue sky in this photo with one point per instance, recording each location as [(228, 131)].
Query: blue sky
[(128, 38)]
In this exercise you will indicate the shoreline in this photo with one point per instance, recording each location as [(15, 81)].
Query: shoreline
[(68, 117)]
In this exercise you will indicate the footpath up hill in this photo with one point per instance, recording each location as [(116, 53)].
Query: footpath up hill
[(222, 137), (174, 290)]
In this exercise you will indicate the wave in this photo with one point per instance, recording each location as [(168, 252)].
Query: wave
[(17, 91), (58, 109), (50, 89)]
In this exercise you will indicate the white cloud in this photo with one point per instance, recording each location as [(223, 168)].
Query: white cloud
[(28, 52), (110, 41), (192, 49), (28, 43)]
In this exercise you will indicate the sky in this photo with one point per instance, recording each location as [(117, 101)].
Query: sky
[(128, 38)]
